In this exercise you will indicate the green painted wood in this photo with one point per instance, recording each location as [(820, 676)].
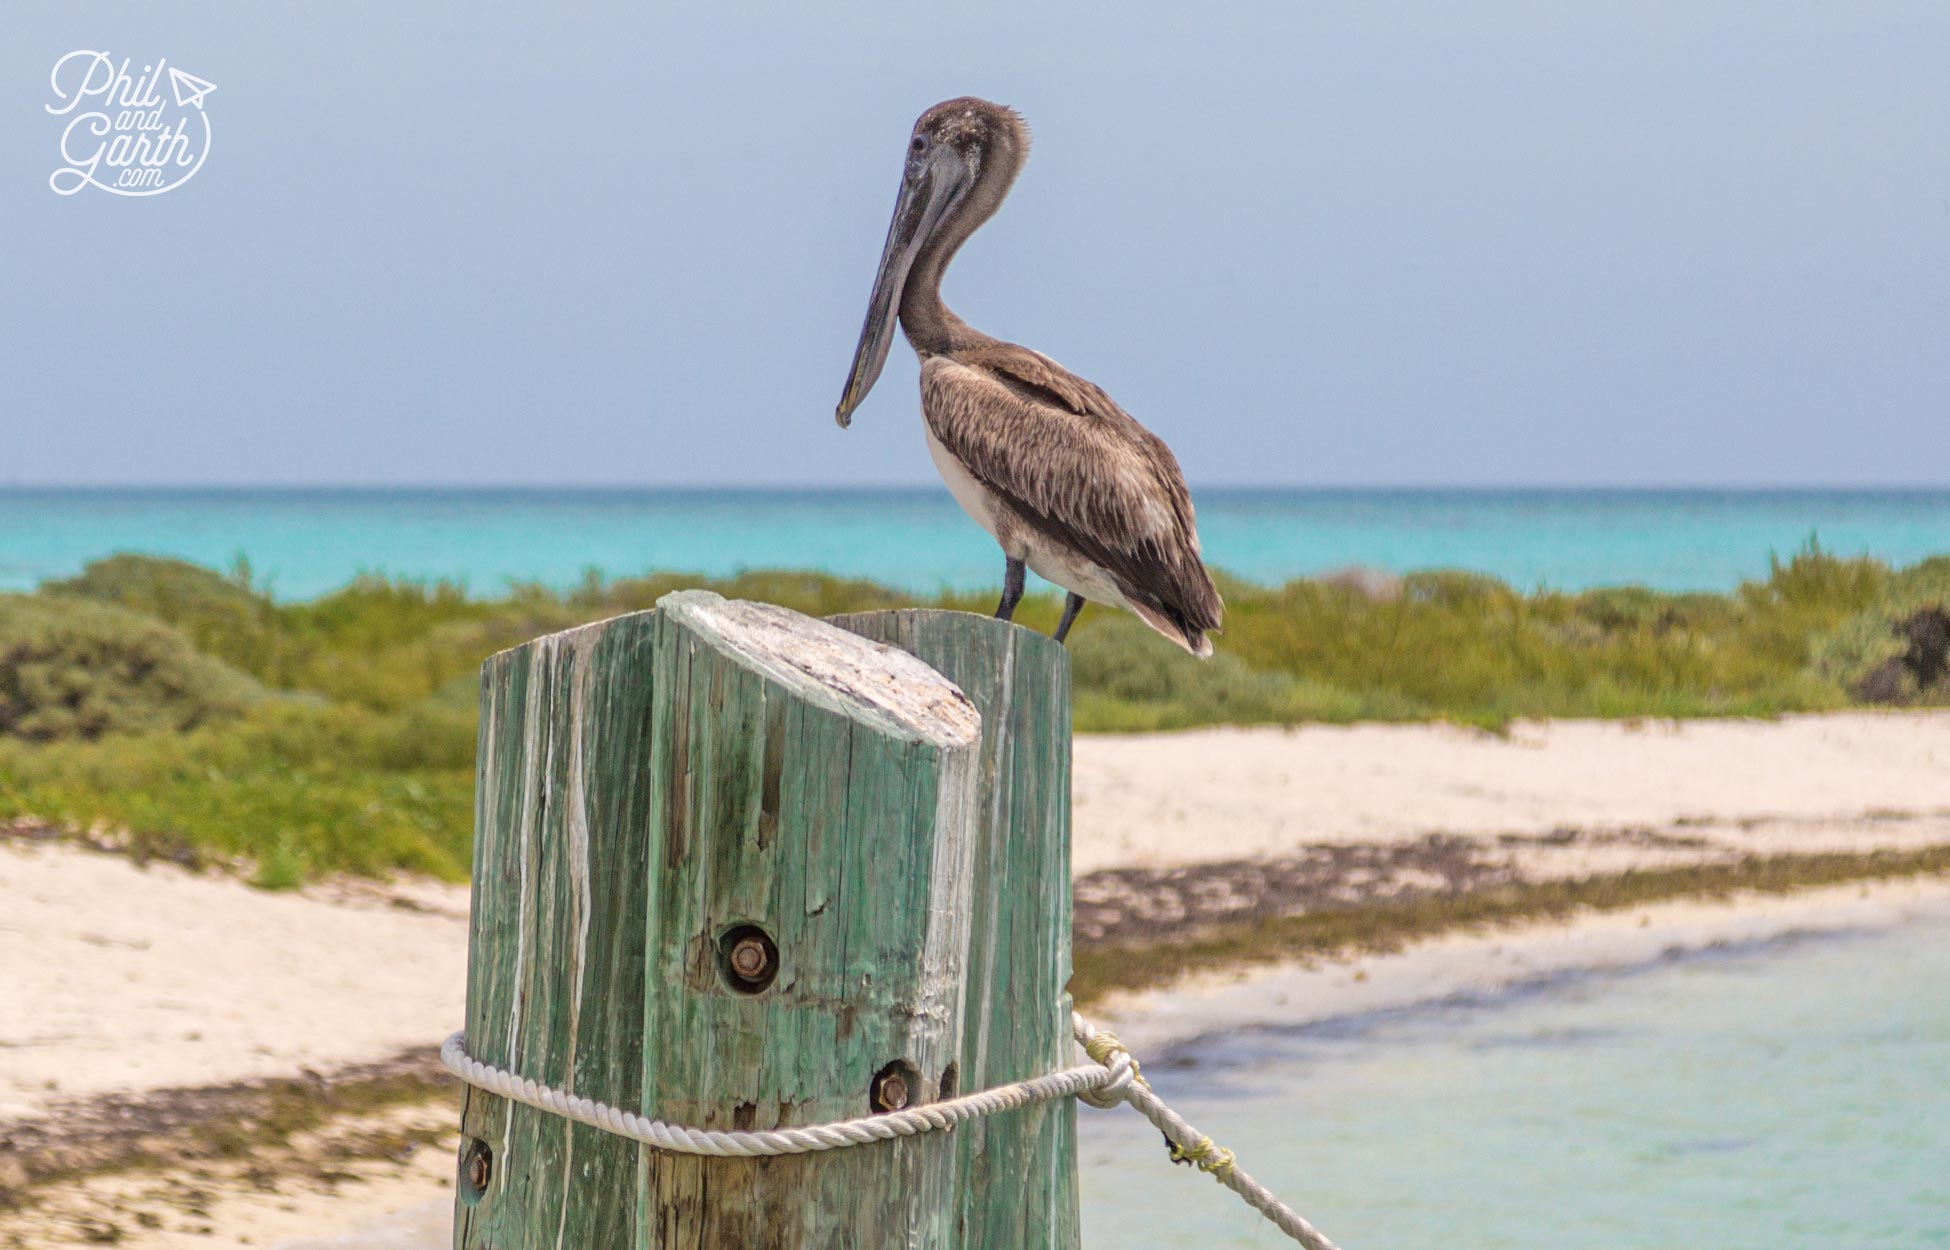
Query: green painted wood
[(555, 964), (1018, 1172), (648, 784)]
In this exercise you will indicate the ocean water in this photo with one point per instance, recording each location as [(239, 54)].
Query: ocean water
[(1788, 1096), (307, 542)]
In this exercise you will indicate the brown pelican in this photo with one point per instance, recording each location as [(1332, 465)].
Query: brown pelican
[(1065, 480)]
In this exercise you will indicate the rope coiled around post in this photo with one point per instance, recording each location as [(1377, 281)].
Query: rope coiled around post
[(1111, 1077)]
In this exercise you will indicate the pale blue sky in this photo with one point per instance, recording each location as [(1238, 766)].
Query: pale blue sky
[(1442, 243)]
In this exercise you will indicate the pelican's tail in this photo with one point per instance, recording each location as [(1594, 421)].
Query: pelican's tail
[(1181, 631)]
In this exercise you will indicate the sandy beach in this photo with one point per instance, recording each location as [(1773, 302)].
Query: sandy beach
[(1800, 783), (124, 980), (121, 977)]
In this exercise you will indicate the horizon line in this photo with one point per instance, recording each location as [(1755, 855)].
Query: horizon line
[(894, 487)]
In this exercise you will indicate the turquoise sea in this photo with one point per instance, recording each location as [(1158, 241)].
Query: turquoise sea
[(1791, 1095), (309, 541)]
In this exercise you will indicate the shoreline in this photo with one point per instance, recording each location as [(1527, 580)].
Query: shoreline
[(1504, 958)]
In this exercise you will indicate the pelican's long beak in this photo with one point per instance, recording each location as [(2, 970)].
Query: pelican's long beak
[(932, 186)]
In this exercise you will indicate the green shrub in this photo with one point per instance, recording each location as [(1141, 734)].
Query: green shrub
[(1897, 651), (1128, 679), (74, 669), (1453, 588), (222, 616), (1814, 578), (292, 791)]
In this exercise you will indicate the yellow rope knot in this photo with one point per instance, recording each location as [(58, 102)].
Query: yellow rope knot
[(1206, 1155), (1103, 1047)]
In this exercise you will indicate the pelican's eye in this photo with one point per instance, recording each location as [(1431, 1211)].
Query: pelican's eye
[(919, 143)]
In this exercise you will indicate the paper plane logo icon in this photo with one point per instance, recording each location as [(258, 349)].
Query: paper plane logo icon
[(189, 89)]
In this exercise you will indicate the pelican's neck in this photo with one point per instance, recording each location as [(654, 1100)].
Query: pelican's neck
[(930, 325)]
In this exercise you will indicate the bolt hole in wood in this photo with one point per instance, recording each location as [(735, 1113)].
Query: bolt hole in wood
[(476, 1170), (748, 958), (894, 1086), (950, 1081)]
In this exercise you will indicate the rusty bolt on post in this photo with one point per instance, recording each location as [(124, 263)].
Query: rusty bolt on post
[(476, 1170), (891, 1087), (750, 958)]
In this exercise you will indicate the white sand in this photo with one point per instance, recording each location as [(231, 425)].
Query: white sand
[(1227, 793), (115, 977)]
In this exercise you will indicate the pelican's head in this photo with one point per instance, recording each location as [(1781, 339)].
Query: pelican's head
[(961, 157)]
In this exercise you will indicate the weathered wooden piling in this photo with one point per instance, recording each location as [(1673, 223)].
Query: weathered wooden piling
[(1016, 1010), (736, 868)]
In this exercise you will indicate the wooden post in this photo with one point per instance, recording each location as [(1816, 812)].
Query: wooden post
[(1018, 1175), (723, 874)]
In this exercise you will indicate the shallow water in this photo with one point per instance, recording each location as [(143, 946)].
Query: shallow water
[(1793, 1094), (311, 541)]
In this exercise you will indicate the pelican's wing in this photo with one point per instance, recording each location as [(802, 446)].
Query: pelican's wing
[(1077, 467)]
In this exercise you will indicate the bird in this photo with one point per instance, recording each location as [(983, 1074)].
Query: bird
[(1068, 483)]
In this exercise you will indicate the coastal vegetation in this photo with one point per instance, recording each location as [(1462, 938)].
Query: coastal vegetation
[(85, 670), (178, 711)]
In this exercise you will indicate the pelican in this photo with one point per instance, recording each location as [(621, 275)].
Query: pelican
[(1067, 483)]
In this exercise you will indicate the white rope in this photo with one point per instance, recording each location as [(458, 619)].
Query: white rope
[(785, 1141), (1188, 1145), (1111, 1078)]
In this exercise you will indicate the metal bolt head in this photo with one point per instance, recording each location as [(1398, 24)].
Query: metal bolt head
[(890, 1092), (750, 960), (476, 1170)]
